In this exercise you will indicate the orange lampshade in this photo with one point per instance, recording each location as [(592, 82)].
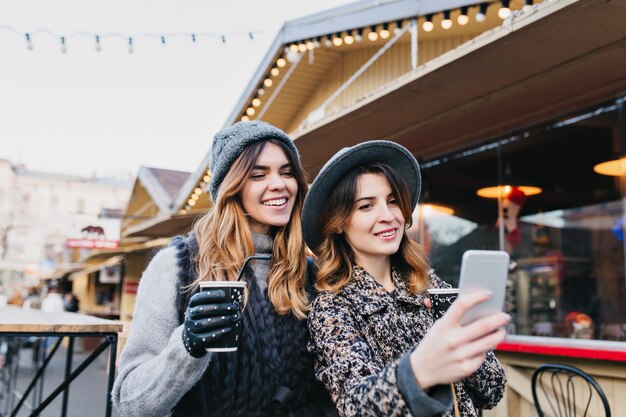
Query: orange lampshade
[(504, 190), (614, 168), (429, 209)]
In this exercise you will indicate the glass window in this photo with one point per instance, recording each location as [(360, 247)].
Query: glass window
[(566, 241)]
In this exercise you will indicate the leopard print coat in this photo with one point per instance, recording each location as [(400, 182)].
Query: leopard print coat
[(359, 336)]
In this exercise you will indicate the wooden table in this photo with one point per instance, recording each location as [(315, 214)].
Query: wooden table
[(17, 322)]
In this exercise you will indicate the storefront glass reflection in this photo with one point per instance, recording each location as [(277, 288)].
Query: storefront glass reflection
[(567, 241)]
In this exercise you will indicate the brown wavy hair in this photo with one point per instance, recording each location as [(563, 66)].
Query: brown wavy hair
[(334, 254), (225, 238)]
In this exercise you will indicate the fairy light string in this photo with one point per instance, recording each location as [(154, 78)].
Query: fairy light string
[(100, 38)]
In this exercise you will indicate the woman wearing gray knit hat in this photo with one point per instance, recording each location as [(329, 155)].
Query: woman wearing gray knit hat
[(258, 188), (377, 349)]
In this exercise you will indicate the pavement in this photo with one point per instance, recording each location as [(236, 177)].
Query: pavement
[(87, 396)]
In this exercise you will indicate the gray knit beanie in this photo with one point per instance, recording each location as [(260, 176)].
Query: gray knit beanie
[(228, 144)]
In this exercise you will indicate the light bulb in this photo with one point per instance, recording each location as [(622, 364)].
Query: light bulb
[(337, 41), (462, 19), (256, 102), (281, 62), (207, 178), (384, 33), (302, 47), (446, 23), (250, 111), (244, 119), (310, 45), (372, 36), (293, 47), (348, 39), (275, 71), (261, 91), (504, 12), (197, 191), (267, 82), (428, 26), (480, 17)]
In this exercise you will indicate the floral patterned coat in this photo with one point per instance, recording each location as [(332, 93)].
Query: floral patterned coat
[(362, 337)]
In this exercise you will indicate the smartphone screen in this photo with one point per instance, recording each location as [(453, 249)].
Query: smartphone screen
[(484, 270)]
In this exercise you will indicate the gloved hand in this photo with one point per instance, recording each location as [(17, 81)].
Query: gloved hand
[(207, 318)]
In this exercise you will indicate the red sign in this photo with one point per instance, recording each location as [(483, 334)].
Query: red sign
[(92, 244), (130, 287)]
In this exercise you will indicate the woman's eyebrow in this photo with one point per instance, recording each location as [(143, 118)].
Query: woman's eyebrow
[(265, 167)]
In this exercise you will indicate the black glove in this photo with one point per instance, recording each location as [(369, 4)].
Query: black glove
[(207, 318)]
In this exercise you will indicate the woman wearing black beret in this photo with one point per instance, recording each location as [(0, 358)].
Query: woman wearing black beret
[(377, 349)]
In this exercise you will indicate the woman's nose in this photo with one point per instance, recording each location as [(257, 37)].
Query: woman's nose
[(385, 215), (277, 182)]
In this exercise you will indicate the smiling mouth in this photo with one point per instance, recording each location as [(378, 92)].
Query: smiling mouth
[(275, 202), (386, 233)]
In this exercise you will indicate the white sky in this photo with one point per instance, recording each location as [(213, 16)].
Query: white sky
[(109, 112)]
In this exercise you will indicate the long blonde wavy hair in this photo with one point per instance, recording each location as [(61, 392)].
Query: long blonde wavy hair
[(335, 257), (225, 238)]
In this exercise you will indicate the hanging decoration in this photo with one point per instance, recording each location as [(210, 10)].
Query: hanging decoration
[(100, 39)]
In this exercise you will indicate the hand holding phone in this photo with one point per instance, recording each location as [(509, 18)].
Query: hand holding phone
[(484, 270)]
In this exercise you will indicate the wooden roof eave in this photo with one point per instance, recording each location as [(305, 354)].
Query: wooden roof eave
[(513, 75)]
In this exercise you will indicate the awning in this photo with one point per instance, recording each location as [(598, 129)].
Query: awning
[(170, 225), (138, 247), (564, 56)]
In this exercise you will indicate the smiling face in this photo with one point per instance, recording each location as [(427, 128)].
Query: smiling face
[(375, 228), (269, 192)]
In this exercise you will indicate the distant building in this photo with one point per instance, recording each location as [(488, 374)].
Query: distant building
[(40, 210)]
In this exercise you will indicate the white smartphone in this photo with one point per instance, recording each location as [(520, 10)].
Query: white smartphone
[(484, 270)]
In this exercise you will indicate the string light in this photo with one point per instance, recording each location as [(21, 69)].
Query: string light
[(267, 82), (398, 27), (463, 19), (528, 6), (481, 15), (98, 38), (337, 41), (504, 11), (428, 25), (275, 71), (29, 43), (348, 39), (256, 102), (446, 22), (358, 35), (281, 62), (373, 35), (245, 118), (384, 32)]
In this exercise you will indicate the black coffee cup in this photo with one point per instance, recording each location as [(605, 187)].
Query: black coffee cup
[(234, 291), (440, 300)]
